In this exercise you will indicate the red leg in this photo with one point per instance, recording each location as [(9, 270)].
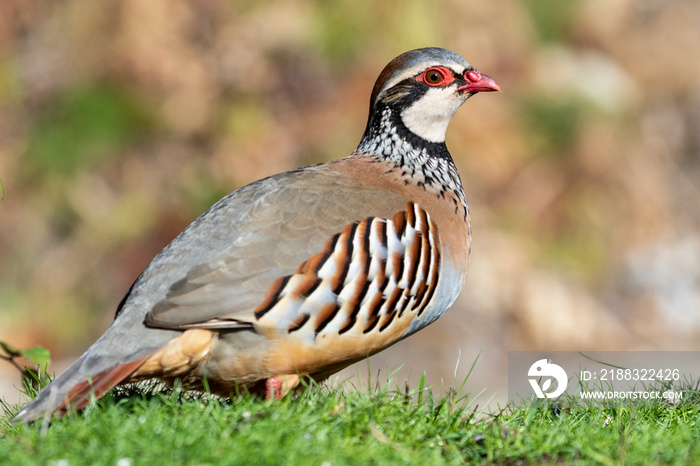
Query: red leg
[(273, 389)]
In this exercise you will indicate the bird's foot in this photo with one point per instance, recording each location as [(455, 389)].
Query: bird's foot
[(278, 386)]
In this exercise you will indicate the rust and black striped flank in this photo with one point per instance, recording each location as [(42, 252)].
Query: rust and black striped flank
[(390, 305), (272, 297), (388, 318), (432, 280), (371, 323), (413, 260), (402, 254), (350, 322), (400, 223), (398, 265), (375, 304), (366, 236), (306, 286), (411, 214), (298, 323), (344, 258), (382, 233), (325, 316)]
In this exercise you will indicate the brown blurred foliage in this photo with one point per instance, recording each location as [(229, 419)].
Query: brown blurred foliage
[(121, 121)]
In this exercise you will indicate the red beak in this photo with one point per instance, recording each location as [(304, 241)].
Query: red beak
[(477, 82)]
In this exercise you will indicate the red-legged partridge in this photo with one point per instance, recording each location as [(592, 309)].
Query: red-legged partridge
[(305, 272)]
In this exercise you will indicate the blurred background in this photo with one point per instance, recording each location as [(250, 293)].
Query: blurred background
[(122, 121)]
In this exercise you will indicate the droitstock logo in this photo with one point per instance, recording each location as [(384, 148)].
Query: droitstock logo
[(545, 372)]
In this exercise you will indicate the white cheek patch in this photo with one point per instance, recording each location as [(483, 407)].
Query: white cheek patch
[(429, 116)]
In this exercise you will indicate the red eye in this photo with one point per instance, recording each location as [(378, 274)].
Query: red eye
[(433, 76)]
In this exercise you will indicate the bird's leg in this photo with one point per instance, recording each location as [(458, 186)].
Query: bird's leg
[(273, 388), (278, 386)]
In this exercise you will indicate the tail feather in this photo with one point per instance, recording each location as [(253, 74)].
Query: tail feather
[(80, 395), (76, 387)]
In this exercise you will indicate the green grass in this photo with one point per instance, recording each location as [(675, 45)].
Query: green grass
[(369, 425)]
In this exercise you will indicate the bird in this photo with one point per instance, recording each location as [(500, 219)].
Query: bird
[(303, 273)]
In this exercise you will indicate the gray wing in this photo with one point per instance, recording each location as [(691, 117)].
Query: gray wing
[(256, 235)]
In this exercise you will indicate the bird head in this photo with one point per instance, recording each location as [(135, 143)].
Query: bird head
[(425, 88)]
